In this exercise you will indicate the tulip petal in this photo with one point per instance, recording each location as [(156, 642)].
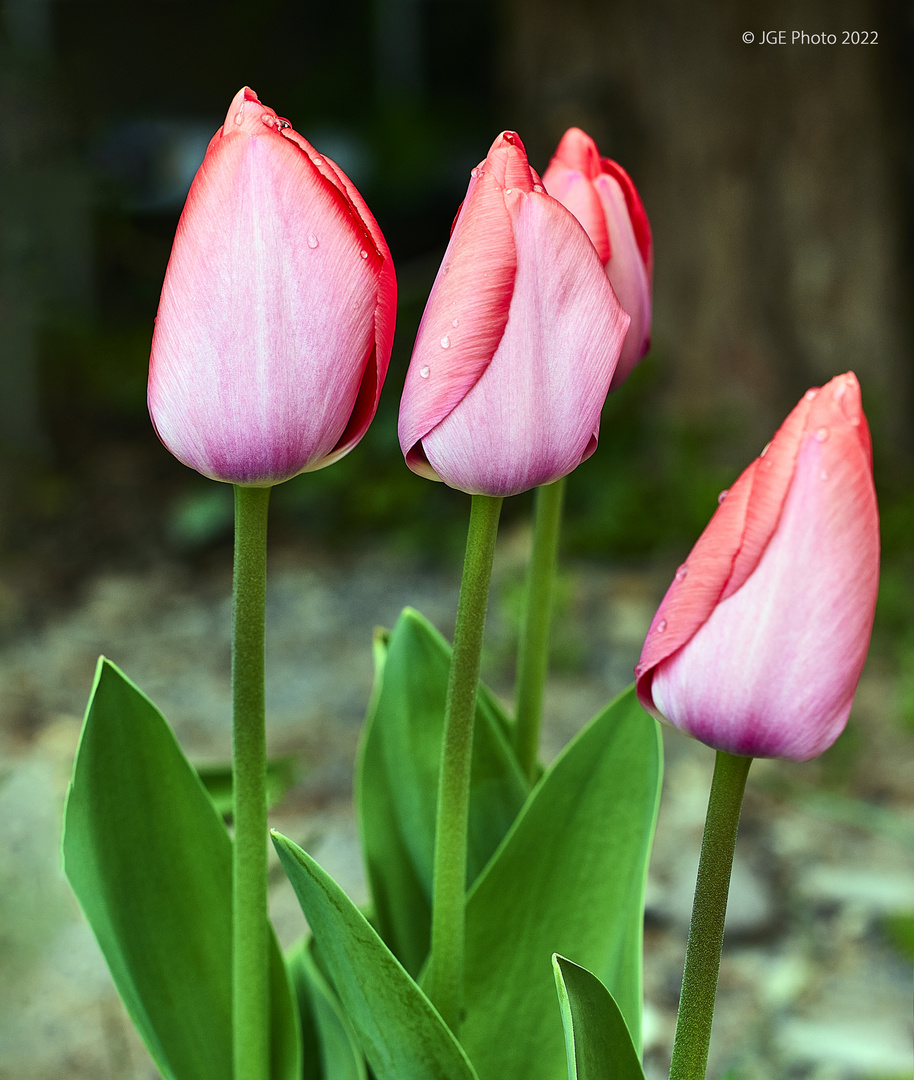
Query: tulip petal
[(628, 272), (577, 194), (464, 319), (635, 212), (539, 400), (754, 673), (724, 659), (246, 382), (728, 550)]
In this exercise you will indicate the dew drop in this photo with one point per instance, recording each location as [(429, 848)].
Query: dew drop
[(810, 394), (661, 626), (722, 495), (445, 342), (538, 188), (313, 241), (508, 190), (475, 173), (238, 118), (682, 572), (423, 372), (364, 253), (821, 435), (455, 323), (276, 122)]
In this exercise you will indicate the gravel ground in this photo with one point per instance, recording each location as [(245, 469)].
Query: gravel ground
[(813, 986)]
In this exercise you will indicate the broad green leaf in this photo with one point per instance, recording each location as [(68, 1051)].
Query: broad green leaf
[(598, 1045), (217, 779), (150, 862), (400, 1032), (569, 878), (397, 786), (336, 1052)]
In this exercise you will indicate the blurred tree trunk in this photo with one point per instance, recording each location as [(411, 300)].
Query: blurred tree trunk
[(772, 175)]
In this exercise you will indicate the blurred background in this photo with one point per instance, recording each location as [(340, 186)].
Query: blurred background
[(779, 181)]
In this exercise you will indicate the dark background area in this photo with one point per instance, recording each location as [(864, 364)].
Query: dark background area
[(778, 180)]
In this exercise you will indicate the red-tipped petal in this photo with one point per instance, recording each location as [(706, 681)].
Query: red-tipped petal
[(533, 415), (464, 319), (270, 310), (769, 667)]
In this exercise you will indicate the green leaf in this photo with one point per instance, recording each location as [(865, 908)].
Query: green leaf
[(569, 878), (400, 1031), (598, 1044), (336, 1052), (150, 862), (397, 783)]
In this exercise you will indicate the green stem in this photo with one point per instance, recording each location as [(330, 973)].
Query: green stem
[(250, 955), (533, 648), (706, 931), (444, 984)]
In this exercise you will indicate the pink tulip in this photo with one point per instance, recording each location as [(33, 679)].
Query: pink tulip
[(603, 198), (518, 342), (277, 314), (758, 645)]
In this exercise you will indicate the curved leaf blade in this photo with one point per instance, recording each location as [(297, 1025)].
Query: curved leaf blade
[(150, 862), (598, 1044), (568, 878), (397, 783), (401, 1033)]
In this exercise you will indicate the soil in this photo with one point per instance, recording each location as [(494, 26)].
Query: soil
[(816, 981)]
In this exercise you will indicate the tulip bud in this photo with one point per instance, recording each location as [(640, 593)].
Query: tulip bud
[(603, 198), (758, 645), (518, 343), (277, 313)]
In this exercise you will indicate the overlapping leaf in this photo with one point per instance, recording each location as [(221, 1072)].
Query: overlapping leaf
[(399, 1030), (398, 782), (569, 878), (598, 1045), (150, 862)]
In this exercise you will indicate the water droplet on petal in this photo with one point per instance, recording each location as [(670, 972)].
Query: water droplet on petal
[(423, 372), (682, 572), (313, 241), (821, 435), (475, 173), (539, 188), (722, 495), (238, 118), (276, 122), (455, 323), (364, 253), (661, 626), (508, 190), (445, 342), (810, 394)]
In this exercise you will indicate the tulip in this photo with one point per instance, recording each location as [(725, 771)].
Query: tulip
[(758, 645), (277, 313), (518, 343), (603, 198)]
